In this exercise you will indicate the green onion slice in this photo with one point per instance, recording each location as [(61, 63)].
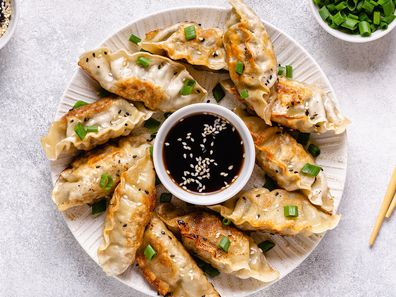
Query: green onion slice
[(79, 103), (89, 129), (310, 169), (188, 87), (314, 150), (244, 94), (338, 18), (189, 32), (290, 211), (350, 24), (165, 197), (106, 182), (224, 243), (149, 252), (135, 39), (364, 29), (388, 6), (289, 71), (80, 131), (281, 70), (152, 125), (151, 151), (324, 13), (143, 62), (218, 92), (266, 245), (239, 67), (99, 207), (226, 222)]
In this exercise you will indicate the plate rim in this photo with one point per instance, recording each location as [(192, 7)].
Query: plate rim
[(279, 32)]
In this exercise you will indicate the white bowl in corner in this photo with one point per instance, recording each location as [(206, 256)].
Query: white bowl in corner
[(11, 27), (345, 36), (212, 197)]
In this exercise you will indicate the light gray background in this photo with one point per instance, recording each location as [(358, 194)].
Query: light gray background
[(38, 254)]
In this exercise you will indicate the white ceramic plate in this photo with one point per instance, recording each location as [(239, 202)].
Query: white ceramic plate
[(289, 252)]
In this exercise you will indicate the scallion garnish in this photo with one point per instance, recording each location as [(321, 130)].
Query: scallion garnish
[(244, 94), (151, 151), (226, 222), (149, 252), (224, 243), (135, 39), (106, 182), (314, 150), (310, 169), (143, 62), (289, 71), (218, 92), (165, 197), (89, 129), (281, 70), (188, 87), (189, 32), (266, 245), (79, 103), (99, 207), (152, 125), (290, 211), (80, 131), (239, 67)]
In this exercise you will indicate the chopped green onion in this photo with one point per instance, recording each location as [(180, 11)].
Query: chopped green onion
[(244, 94), (270, 184), (207, 268), (368, 6), (289, 71), (388, 6), (165, 197), (218, 92), (364, 17), (99, 207), (364, 29), (353, 16), (224, 243), (135, 39), (151, 151), (342, 5), (189, 32), (143, 62), (383, 26), (352, 4), (350, 24), (91, 129), (226, 222), (106, 182), (239, 67), (338, 18), (281, 70), (188, 86), (331, 7), (314, 150), (389, 19), (303, 138), (80, 131), (266, 245), (149, 252), (79, 103), (290, 211), (324, 13), (152, 125), (310, 169)]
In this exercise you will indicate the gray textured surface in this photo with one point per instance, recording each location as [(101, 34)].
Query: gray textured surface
[(38, 254)]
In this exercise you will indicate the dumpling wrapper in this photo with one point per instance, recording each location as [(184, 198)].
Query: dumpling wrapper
[(157, 86), (128, 214), (262, 210), (205, 50), (306, 108), (201, 233), (282, 158), (80, 183), (172, 271), (246, 40), (112, 117)]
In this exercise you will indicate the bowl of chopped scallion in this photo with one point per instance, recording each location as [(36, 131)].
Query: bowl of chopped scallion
[(355, 20)]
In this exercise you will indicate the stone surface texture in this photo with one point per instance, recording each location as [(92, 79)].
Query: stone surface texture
[(38, 254)]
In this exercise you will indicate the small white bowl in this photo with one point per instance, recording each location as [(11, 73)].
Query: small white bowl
[(11, 27), (204, 198), (345, 36)]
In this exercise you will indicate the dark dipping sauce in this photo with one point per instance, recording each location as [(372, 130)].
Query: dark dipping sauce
[(203, 153)]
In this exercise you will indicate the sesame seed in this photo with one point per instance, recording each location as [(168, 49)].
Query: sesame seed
[(167, 143)]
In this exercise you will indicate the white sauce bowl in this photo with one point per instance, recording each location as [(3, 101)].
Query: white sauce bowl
[(204, 198)]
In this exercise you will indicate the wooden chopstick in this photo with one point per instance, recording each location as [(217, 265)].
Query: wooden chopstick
[(391, 207), (384, 207)]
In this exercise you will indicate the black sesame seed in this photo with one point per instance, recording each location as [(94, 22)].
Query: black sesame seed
[(93, 54), (86, 60)]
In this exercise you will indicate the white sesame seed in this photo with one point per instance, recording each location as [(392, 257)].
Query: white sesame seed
[(230, 167), (168, 171), (179, 139), (184, 156), (166, 143)]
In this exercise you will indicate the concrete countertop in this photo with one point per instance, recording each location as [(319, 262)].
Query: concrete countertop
[(38, 254)]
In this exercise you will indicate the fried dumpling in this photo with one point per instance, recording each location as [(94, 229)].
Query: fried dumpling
[(128, 214), (206, 49), (109, 118), (154, 80), (262, 210), (171, 271), (282, 158), (201, 233), (81, 182), (250, 58), (306, 108)]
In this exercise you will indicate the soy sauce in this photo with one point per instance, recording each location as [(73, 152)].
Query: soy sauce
[(203, 153)]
